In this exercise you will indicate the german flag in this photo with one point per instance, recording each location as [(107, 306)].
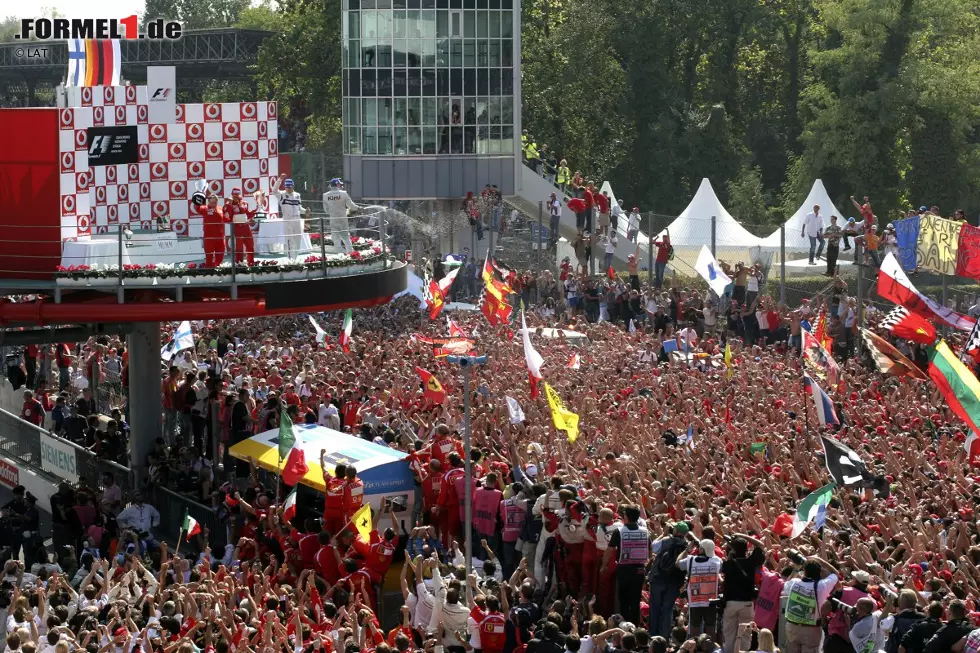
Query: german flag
[(94, 63)]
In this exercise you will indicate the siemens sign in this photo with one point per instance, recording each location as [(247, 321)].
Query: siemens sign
[(58, 458)]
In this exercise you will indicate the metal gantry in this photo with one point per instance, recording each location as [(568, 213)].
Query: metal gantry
[(214, 54)]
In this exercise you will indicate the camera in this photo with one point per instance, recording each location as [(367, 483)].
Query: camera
[(795, 556), (846, 609)]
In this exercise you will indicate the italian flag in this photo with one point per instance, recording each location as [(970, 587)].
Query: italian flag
[(813, 508), (190, 527), (290, 450), (289, 508), (956, 382), (345, 333)]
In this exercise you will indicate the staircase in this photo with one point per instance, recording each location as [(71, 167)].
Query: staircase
[(534, 188)]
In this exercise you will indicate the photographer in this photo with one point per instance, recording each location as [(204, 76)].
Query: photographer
[(703, 582), (838, 622), (739, 591), (664, 579), (869, 627), (803, 598)]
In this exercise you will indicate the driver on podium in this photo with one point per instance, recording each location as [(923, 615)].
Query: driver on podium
[(337, 203), (238, 214), (290, 209), (214, 227)]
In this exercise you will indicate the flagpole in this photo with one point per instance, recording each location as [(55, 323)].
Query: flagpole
[(466, 362), (806, 407), (180, 538)]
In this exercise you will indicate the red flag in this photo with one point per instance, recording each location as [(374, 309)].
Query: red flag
[(611, 273), (438, 290), (433, 389), (909, 326), (783, 525), (488, 306), (894, 285), (968, 254), (455, 331)]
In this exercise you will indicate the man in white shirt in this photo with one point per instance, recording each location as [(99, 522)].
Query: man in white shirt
[(804, 596), (449, 610), (633, 224), (290, 210), (336, 202), (615, 211), (141, 518), (869, 627), (813, 229), (554, 212)]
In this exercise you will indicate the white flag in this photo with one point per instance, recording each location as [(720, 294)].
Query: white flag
[(632, 326), (575, 362), (321, 335), (183, 339), (514, 408), (711, 272)]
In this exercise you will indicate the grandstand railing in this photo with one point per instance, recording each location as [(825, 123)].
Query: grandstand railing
[(37, 449), (163, 253)]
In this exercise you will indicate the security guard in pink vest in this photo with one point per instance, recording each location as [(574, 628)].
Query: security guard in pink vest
[(631, 546)]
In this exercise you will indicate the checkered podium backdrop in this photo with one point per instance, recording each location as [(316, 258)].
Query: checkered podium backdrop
[(231, 145)]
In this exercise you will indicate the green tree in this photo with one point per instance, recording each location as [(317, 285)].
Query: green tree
[(749, 202), (197, 14), (300, 67)]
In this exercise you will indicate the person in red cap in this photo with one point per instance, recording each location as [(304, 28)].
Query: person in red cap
[(214, 231), (236, 212)]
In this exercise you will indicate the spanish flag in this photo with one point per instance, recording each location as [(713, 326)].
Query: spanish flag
[(956, 383), (94, 63)]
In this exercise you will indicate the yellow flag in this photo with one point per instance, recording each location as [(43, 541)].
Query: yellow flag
[(362, 520), (728, 360), (565, 420)]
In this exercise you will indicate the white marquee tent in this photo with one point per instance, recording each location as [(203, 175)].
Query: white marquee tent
[(692, 228), (794, 226)]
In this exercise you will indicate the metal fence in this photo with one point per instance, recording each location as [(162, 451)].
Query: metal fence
[(26, 443), (172, 508)]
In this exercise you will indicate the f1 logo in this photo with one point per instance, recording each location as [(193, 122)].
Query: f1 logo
[(160, 95), (100, 144)]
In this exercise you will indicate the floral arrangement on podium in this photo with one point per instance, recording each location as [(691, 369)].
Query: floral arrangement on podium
[(366, 253)]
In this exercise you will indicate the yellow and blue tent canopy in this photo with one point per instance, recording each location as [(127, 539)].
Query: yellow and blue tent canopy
[(382, 470)]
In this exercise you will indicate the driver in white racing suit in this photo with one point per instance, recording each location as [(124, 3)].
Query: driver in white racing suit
[(290, 210), (337, 203)]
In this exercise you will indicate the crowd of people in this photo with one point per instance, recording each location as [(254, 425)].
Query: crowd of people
[(659, 528)]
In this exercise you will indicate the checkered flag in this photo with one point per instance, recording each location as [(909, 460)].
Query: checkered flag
[(972, 344), (902, 323), (896, 315)]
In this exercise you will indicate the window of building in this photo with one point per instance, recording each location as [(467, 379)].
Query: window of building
[(428, 77)]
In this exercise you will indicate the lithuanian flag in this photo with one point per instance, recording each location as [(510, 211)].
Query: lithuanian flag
[(956, 382)]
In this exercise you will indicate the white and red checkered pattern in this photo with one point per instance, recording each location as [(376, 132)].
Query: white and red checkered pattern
[(231, 145)]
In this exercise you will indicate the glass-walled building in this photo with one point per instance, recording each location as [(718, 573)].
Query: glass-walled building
[(431, 97)]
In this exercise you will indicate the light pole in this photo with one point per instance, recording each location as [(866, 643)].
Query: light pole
[(466, 362)]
